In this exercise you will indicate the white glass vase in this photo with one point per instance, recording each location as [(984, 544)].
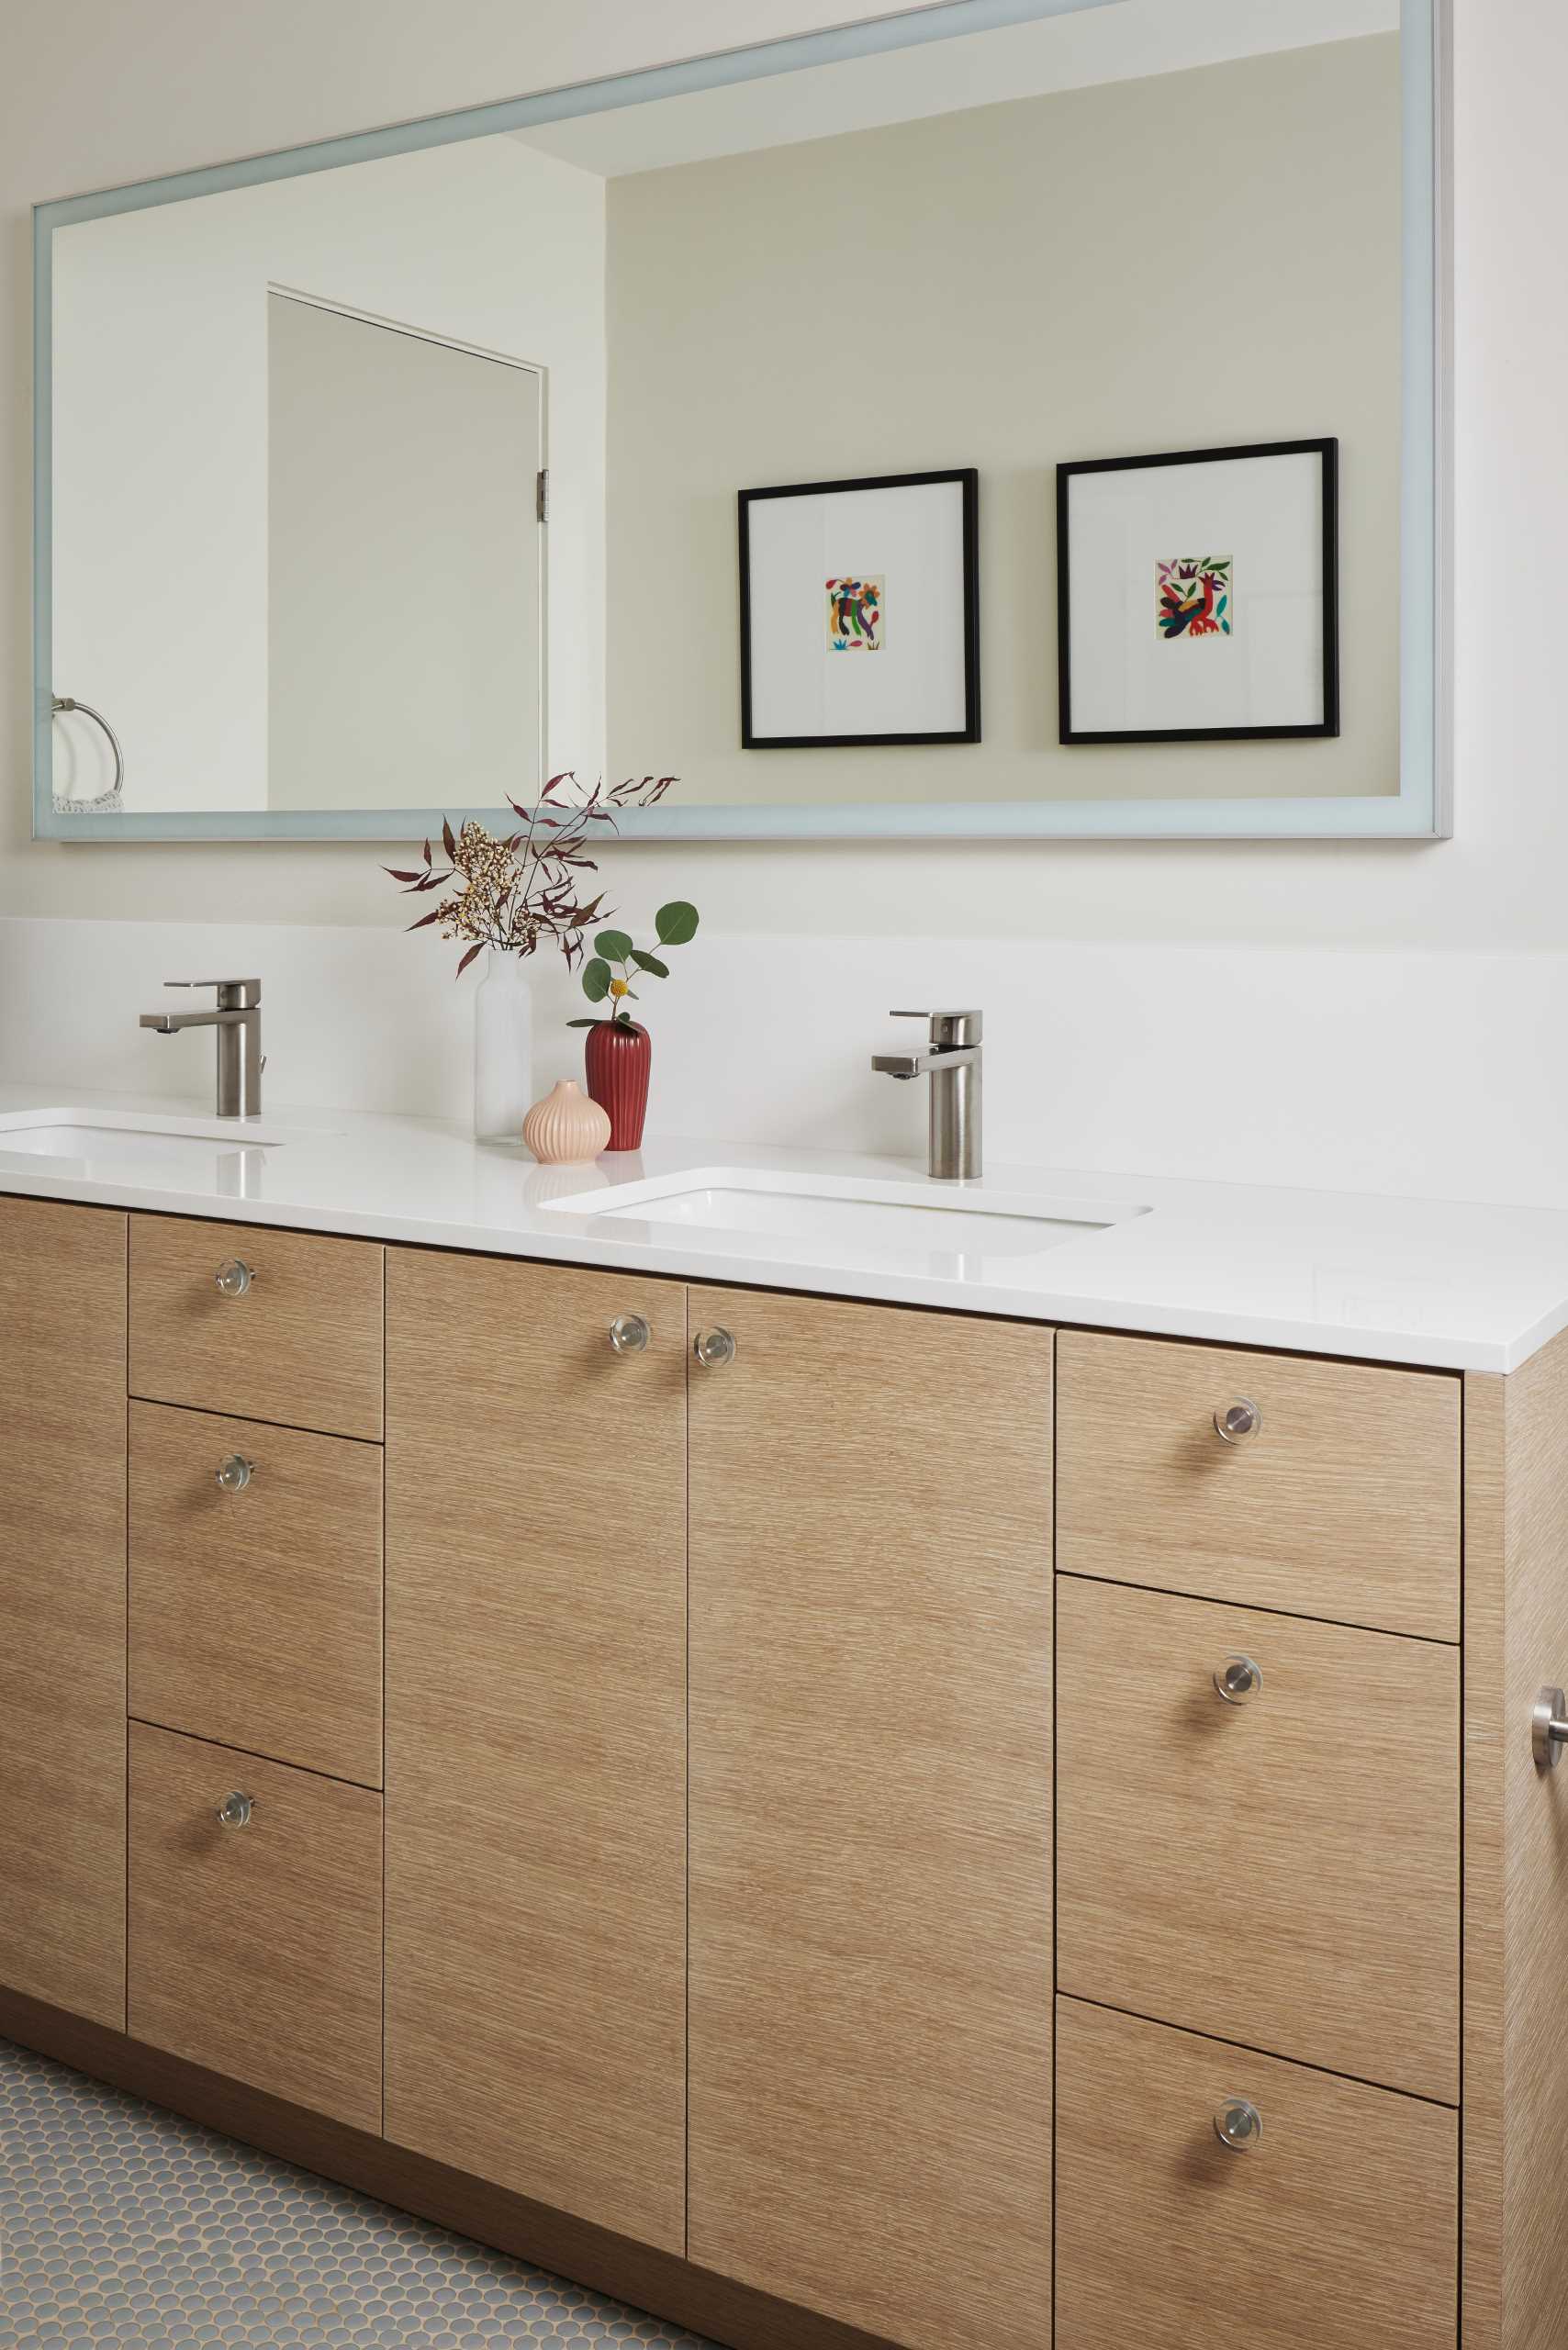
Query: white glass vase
[(503, 1048)]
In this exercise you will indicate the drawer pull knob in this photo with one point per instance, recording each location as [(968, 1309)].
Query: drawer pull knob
[(714, 1348), (1549, 1729), (1239, 1679), (1239, 1421), (235, 1472), (233, 1277), (628, 1334), (235, 1810), (1238, 2124)]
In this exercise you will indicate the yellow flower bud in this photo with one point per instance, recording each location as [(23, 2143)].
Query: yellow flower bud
[(619, 987)]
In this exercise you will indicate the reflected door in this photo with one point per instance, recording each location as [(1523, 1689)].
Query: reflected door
[(404, 616)]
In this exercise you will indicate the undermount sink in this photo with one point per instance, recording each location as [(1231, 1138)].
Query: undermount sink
[(218, 1155), (800, 1215)]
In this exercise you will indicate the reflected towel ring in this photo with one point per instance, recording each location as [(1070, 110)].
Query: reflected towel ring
[(106, 801)]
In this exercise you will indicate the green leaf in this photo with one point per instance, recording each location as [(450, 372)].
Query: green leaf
[(613, 944), (585, 1024), (675, 923), (596, 980), (650, 963)]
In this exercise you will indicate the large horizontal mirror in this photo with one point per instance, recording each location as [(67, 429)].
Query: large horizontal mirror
[(1021, 417)]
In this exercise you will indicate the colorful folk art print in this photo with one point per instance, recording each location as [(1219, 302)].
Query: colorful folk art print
[(1195, 596), (857, 615)]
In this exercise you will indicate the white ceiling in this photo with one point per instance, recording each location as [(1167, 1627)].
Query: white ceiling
[(1119, 41)]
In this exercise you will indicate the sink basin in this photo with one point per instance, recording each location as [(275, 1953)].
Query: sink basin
[(806, 1217), (216, 1155)]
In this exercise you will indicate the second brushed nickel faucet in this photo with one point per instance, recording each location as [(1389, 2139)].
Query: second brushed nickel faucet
[(952, 1061), (238, 1020)]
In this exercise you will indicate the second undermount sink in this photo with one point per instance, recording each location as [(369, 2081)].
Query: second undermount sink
[(218, 1155), (801, 1215)]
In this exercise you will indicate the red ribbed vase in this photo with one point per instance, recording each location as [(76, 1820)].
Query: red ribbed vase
[(617, 1060)]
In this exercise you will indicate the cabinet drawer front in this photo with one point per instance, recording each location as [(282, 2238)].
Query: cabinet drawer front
[(1282, 1871), (256, 1949), (1344, 1503), (301, 1342), (255, 1614), (1338, 2230)]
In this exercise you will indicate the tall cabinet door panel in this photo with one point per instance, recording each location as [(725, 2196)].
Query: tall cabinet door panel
[(536, 1732), (63, 1282), (870, 2075)]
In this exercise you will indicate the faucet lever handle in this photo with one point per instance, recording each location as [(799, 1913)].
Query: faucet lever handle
[(233, 995), (948, 1027)]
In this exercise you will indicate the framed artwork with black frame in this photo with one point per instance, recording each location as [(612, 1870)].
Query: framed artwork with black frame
[(861, 612), (1198, 595)]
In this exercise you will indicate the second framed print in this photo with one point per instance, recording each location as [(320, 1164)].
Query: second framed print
[(1198, 595), (861, 612)]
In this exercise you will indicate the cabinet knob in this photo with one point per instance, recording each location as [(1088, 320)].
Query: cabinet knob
[(1239, 1679), (1549, 1729), (235, 1472), (235, 1810), (1239, 1421), (1238, 2124), (233, 1277), (628, 1334), (714, 1348)]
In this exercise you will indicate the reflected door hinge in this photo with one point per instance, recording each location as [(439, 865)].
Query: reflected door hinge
[(544, 493)]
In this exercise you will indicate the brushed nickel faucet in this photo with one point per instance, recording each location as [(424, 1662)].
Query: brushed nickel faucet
[(238, 1020), (952, 1061)]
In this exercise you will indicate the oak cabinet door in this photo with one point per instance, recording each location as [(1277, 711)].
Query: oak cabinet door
[(870, 2020), (63, 1280), (536, 1733)]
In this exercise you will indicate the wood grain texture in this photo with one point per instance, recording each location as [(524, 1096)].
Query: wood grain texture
[(256, 1951), (714, 2306), (870, 1816), (536, 1734), (1515, 1859), (62, 1605), (303, 1347), (1285, 1872), (256, 1617), (1346, 1506), (1338, 2231)]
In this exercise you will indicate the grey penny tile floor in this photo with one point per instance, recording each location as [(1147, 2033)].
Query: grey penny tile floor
[(121, 2224)]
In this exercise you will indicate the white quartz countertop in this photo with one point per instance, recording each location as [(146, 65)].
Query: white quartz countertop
[(1452, 1286)]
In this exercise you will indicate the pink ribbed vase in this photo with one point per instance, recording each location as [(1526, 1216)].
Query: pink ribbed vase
[(617, 1060), (565, 1129)]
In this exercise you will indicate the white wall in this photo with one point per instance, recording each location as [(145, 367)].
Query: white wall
[(1006, 286), (161, 432), (102, 93)]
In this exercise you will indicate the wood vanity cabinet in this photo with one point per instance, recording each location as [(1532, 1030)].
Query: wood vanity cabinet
[(884, 1826), (62, 1605)]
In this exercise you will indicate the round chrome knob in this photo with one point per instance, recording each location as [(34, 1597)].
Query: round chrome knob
[(1239, 1680), (235, 1810), (714, 1348), (234, 1473), (233, 1277), (1238, 2124), (1239, 1421), (628, 1334), (1549, 1729)]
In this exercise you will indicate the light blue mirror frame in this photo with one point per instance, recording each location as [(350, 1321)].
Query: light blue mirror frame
[(1420, 811)]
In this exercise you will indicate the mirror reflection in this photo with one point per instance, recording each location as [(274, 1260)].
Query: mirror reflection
[(1014, 419)]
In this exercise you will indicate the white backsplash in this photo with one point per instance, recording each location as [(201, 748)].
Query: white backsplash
[(1436, 1074)]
